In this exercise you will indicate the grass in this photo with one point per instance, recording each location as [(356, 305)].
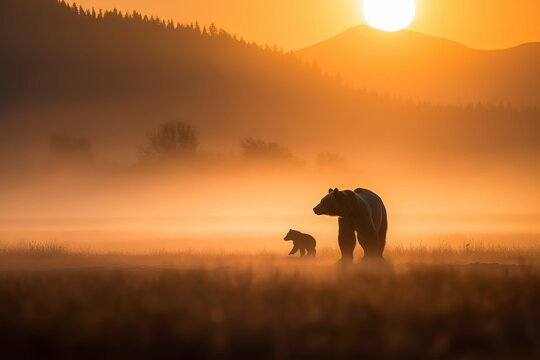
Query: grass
[(480, 303)]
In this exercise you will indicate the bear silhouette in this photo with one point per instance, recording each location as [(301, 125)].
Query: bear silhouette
[(361, 211), (302, 242)]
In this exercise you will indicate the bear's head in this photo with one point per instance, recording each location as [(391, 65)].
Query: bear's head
[(335, 203), (291, 235)]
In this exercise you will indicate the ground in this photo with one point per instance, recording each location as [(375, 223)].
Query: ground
[(475, 303)]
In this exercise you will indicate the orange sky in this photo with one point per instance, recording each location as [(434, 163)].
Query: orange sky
[(293, 24)]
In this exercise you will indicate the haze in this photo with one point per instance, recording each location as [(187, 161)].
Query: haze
[(81, 99)]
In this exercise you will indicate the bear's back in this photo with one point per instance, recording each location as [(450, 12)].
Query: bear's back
[(373, 204), (365, 193), (368, 197), (304, 240)]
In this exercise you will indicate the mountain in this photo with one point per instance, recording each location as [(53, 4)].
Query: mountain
[(414, 65)]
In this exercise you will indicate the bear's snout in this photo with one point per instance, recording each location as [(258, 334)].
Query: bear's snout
[(316, 210)]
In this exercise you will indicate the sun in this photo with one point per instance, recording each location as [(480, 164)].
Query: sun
[(389, 15)]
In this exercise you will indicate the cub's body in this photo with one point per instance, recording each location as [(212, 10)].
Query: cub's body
[(303, 242)]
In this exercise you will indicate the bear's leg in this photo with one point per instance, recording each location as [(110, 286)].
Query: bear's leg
[(369, 240), (346, 239), (294, 250), (302, 251), (382, 231)]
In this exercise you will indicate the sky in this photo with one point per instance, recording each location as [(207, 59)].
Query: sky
[(294, 24)]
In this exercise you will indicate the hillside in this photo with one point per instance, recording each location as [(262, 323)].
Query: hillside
[(414, 65), (53, 50)]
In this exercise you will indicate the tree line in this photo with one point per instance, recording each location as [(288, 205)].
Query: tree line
[(174, 143)]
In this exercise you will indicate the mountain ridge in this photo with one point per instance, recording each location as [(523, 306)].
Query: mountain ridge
[(368, 28), (366, 57), (407, 31)]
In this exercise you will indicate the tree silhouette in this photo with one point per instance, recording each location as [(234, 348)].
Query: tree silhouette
[(254, 149), (171, 141)]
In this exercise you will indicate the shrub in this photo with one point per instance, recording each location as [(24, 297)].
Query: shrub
[(171, 141), (260, 150)]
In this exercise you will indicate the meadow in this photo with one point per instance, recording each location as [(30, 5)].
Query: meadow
[(150, 168), (475, 302)]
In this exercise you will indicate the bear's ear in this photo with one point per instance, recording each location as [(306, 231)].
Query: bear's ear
[(336, 190), (330, 190)]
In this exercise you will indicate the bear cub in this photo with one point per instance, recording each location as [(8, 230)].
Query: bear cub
[(302, 242)]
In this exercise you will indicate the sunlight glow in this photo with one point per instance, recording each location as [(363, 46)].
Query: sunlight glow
[(389, 15)]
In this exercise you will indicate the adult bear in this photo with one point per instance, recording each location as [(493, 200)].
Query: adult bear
[(362, 211)]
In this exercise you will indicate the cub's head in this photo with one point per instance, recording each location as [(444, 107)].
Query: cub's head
[(291, 235), (335, 203)]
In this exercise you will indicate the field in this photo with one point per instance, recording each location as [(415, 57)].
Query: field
[(479, 302)]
